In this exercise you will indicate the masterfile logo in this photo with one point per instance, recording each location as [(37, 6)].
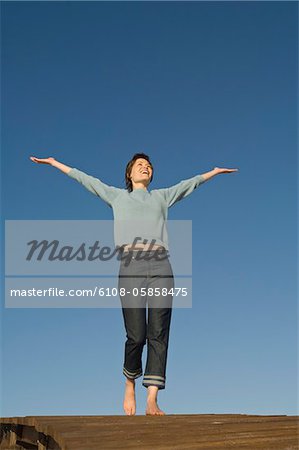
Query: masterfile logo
[(60, 263)]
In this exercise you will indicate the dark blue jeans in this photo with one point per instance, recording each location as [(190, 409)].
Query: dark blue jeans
[(144, 282)]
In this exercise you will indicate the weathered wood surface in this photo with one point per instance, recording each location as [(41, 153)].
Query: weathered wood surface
[(169, 432)]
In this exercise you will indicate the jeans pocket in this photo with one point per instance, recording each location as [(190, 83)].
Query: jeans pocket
[(165, 268)]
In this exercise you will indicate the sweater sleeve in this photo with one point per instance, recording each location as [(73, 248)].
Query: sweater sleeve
[(96, 186), (181, 190)]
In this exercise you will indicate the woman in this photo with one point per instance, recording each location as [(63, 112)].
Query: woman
[(141, 234)]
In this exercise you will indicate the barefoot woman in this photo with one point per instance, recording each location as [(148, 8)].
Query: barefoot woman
[(140, 213)]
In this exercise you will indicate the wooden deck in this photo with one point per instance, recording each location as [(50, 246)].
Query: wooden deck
[(169, 432)]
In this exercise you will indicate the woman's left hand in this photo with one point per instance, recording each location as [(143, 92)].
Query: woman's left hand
[(223, 170)]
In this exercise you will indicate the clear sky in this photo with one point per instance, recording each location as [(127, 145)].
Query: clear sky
[(194, 85)]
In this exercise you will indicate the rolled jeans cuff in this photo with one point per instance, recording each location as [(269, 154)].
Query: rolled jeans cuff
[(132, 374), (154, 380)]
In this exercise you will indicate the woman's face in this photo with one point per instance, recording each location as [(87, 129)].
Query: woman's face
[(141, 171)]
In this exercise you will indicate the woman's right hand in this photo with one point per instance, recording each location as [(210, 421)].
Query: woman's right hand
[(42, 160)]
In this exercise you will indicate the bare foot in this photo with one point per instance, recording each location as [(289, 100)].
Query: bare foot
[(129, 400), (152, 408)]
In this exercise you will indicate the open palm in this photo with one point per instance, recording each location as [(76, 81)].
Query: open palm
[(42, 160), (224, 170)]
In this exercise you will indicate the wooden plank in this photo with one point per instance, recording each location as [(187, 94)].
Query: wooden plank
[(169, 432)]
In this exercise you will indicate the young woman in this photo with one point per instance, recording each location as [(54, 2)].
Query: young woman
[(141, 234)]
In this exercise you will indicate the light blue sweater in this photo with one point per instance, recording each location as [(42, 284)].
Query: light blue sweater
[(140, 213)]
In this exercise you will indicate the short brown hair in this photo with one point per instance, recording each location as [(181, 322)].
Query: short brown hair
[(130, 164)]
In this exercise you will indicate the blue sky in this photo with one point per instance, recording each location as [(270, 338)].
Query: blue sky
[(194, 85)]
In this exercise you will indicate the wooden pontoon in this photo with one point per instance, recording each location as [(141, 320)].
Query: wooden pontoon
[(169, 432)]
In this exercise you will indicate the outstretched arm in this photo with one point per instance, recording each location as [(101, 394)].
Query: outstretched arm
[(92, 184), (182, 189)]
